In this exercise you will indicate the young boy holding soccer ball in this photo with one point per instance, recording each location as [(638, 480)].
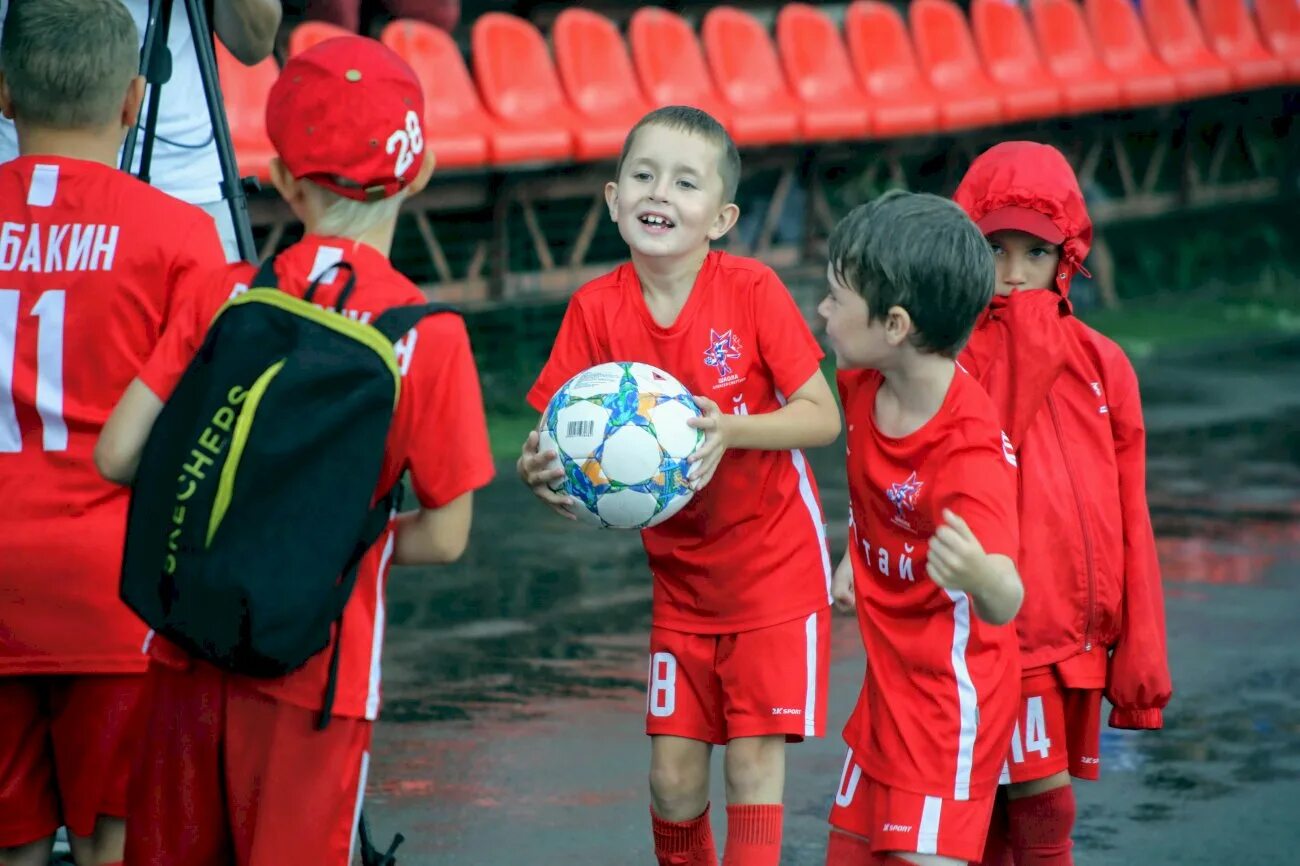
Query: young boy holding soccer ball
[(740, 636)]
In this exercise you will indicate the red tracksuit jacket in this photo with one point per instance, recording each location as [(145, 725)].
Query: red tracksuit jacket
[(1068, 397)]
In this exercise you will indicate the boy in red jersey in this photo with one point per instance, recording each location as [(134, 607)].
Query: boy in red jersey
[(932, 542), (235, 771), (95, 264), (738, 649), (1093, 617)]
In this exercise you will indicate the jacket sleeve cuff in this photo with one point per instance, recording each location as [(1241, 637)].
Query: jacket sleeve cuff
[(1148, 719)]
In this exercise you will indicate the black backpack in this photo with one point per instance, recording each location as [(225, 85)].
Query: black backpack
[(253, 506)]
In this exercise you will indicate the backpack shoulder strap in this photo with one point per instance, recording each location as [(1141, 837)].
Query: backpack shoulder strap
[(265, 277), (394, 322)]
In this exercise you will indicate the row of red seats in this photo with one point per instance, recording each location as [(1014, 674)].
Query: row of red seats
[(814, 83)]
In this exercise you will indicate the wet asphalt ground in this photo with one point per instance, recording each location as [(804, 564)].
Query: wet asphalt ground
[(514, 680)]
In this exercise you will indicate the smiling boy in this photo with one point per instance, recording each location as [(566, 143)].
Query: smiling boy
[(740, 638)]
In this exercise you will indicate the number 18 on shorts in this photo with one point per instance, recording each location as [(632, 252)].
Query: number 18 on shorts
[(717, 687)]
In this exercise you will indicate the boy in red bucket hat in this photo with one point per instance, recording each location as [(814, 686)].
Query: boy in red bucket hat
[(235, 770), (1093, 617)]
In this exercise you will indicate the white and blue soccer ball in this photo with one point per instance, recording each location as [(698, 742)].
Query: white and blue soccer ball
[(621, 436)]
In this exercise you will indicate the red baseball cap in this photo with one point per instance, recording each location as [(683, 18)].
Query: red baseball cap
[(1021, 219), (348, 114)]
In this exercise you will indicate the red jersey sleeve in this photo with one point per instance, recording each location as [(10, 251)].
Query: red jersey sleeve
[(448, 453), (785, 343), (575, 349), (978, 485), (194, 304), (1138, 682)]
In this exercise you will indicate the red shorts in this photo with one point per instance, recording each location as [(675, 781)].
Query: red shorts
[(1058, 729), (718, 687), (231, 777), (906, 822), (66, 747)]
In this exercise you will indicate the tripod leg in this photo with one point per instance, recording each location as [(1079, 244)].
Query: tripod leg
[(156, 67), (232, 187)]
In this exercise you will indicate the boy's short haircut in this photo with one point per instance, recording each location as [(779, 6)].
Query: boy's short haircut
[(68, 63), (696, 122), (922, 253)]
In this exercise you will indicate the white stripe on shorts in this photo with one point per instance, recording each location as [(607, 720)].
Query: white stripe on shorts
[(810, 694), (361, 796), (927, 835)]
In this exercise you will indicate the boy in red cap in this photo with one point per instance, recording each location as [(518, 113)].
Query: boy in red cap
[(235, 771), (1093, 618), (932, 544), (739, 646), (95, 265)]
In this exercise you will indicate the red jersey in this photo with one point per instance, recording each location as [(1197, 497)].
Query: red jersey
[(440, 411), (94, 262), (942, 686), (749, 550)]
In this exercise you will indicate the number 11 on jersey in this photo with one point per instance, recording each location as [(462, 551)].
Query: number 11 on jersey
[(48, 312)]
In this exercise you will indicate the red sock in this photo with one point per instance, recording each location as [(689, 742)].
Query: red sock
[(844, 849), (997, 847), (684, 843), (753, 835), (1040, 828)]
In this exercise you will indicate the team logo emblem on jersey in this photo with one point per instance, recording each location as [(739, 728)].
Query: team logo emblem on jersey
[(723, 347), (902, 495)]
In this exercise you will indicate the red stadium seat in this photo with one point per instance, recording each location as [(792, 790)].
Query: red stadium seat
[(748, 74), (457, 129), (245, 89), (1012, 60), (1067, 50), (1177, 40), (1117, 33), (597, 74), (902, 101), (1231, 34), (670, 63), (818, 68), (521, 90), (310, 33), (943, 44), (1279, 24)]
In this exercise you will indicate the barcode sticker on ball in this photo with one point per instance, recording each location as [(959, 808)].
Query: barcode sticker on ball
[(581, 428)]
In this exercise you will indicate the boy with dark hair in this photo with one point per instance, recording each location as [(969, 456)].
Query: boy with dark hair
[(739, 644), (236, 770), (1093, 618), (930, 566), (95, 265)]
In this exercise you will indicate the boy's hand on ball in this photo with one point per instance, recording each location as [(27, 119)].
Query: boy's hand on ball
[(956, 559), (704, 460), (537, 471)]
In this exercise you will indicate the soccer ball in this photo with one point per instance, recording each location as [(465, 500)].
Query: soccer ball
[(621, 436)]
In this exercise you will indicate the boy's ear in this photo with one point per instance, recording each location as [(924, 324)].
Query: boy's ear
[(725, 222), (6, 101), (287, 185), (898, 326), (132, 102), (611, 200), (417, 186)]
